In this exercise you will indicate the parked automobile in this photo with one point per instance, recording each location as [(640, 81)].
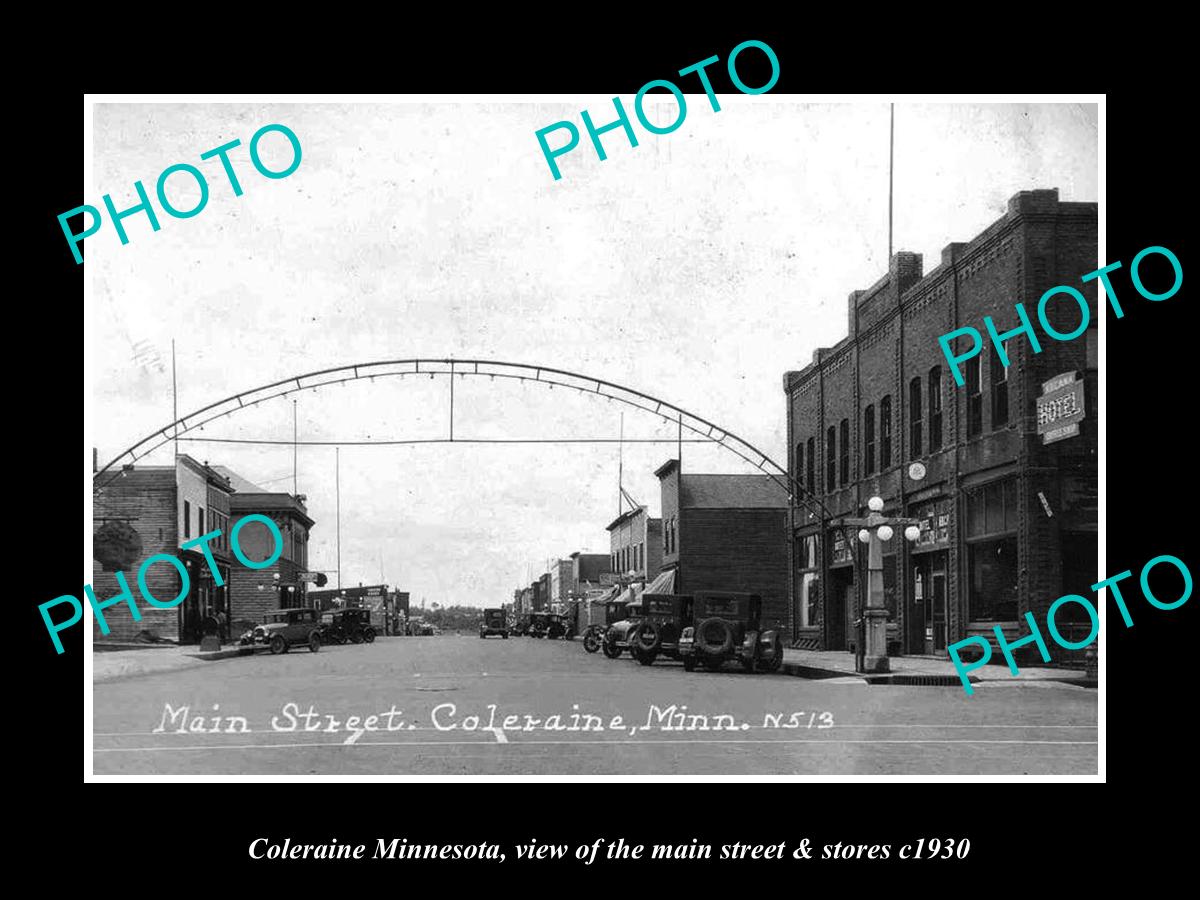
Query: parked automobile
[(520, 627), (283, 629), (494, 622), (593, 635), (616, 639), (728, 627), (547, 624), (421, 628), (347, 626), (664, 617)]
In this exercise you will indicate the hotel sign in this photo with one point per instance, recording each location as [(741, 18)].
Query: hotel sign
[(1060, 409)]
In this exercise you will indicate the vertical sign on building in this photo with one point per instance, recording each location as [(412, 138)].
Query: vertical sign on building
[(1060, 409)]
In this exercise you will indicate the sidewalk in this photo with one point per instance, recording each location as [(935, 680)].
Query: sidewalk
[(920, 670), (111, 664), (130, 660)]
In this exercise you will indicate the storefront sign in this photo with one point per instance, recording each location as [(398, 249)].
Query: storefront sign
[(933, 519), (842, 552), (1060, 409)]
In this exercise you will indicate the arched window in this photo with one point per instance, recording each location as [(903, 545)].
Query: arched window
[(885, 433), (935, 409), (869, 441), (915, 422)]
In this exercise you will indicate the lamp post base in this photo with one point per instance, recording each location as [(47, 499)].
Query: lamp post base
[(873, 664)]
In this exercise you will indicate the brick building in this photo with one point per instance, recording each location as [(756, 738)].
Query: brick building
[(1008, 522), (726, 533), (148, 510), (561, 587), (254, 592), (635, 540)]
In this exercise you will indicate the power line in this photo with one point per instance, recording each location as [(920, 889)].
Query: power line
[(347, 443)]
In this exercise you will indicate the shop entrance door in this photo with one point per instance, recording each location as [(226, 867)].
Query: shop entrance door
[(926, 631), (841, 610)]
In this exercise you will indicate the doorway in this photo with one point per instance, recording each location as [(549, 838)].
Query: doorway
[(841, 608), (926, 632)]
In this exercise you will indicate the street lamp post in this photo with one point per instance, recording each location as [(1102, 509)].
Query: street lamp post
[(874, 531)]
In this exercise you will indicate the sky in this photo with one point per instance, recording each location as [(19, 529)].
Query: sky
[(697, 267)]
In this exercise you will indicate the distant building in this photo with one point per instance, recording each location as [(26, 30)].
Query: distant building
[(636, 545), (726, 533), (561, 586)]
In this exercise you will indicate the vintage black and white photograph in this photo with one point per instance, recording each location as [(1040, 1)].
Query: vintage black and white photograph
[(677, 435)]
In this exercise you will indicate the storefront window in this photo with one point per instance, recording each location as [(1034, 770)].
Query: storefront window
[(807, 581), (991, 526)]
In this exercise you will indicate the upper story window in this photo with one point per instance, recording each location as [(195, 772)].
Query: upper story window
[(869, 441), (809, 476), (799, 469), (187, 519), (844, 430), (935, 409), (830, 458), (885, 432), (974, 398), (999, 373), (916, 422)]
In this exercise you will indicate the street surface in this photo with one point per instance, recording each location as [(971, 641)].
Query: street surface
[(458, 705)]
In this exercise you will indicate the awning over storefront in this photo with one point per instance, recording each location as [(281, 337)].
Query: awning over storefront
[(663, 584)]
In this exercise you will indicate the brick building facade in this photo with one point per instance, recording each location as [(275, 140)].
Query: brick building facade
[(255, 592), (161, 508), (726, 533), (1008, 523), (635, 541)]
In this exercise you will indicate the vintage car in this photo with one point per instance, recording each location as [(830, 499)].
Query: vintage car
[(728, 627), (347, 625), (593, 635), (548, 625), (616, 638), (494, 622), (664, 618), (285, 628), (420, 628)]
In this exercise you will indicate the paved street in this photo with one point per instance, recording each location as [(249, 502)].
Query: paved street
[(452, 705)]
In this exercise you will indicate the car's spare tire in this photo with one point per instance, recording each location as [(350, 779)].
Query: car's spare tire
[(646, 636), (714, 637)]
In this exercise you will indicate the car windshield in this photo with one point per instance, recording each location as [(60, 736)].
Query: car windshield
[(731, 608), (660, 607)]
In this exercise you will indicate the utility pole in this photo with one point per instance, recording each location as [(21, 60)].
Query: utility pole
[(337, 480), (174, 399)]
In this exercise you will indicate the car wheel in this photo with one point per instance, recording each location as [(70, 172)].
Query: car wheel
[(356, 636), (314, 642), (611, 650), (689, 664), (504, 634), (278, 645), (369, 635), (591, 643), (777, 661), (646, 658)]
